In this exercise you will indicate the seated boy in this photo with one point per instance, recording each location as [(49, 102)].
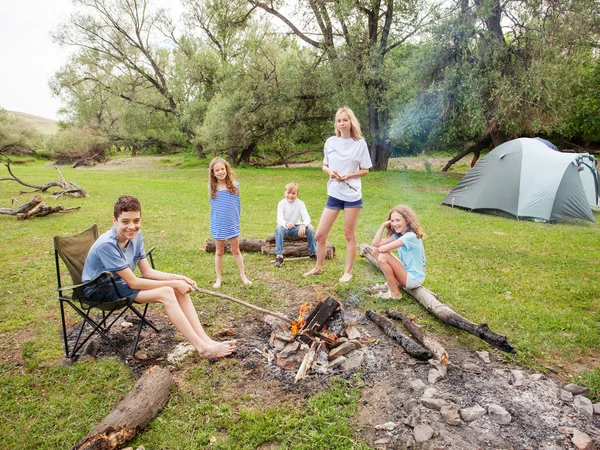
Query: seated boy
[(119, 251), (293, 220)]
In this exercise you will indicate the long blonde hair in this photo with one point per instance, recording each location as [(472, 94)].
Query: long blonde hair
[(411, 220), (213, 182), (355, 130)]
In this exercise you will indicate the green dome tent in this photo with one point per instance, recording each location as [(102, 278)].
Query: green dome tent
[(524, 179)]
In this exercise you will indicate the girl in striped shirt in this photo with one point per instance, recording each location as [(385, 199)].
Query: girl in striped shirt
[(224, 198)]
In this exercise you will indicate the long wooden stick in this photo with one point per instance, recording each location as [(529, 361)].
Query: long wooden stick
[(247, 305)]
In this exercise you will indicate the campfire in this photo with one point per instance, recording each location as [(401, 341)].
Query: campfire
[(319, 340)]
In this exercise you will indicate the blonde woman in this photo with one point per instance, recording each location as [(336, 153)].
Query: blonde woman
[(346, 160)]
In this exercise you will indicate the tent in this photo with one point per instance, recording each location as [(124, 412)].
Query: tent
[(524, 179)]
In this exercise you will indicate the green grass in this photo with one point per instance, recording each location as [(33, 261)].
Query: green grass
[(535, 283)]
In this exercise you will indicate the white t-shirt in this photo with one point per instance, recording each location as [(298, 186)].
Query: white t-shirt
[(295, 213), (346, 156)]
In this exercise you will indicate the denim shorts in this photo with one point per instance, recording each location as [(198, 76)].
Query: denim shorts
[(104, 291), (337, 204)]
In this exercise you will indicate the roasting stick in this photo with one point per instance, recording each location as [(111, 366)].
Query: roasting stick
[(247, 305)]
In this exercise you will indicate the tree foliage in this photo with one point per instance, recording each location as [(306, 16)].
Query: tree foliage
[(16, 137)]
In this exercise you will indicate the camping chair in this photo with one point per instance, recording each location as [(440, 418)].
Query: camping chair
[(73, 251)]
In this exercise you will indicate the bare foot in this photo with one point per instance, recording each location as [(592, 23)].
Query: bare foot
[(217, 284), (218, 350), (315, 271), (246, 281), (345, 278)]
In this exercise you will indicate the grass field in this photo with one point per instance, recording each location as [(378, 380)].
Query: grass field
[(536, 283)]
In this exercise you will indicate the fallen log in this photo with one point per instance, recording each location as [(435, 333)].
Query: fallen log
[(388, 327), (35, 201), (292, 247), (443, 312), (428, 342), (247, 305), (246, 245), (149, 395)]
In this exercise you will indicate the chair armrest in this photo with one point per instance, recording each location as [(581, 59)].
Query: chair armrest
[(105, 274), (150, 257)]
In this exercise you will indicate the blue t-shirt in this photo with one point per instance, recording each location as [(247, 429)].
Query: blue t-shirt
[(412, 255), (107, 255)]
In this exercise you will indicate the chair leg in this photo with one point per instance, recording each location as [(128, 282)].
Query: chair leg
[(64, 327)]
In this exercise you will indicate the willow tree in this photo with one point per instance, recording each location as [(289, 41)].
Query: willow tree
[(363, 33)]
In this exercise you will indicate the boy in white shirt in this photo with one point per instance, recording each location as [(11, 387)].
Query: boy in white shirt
[(293, 220)]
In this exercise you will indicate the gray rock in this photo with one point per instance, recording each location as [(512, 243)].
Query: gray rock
[(389, 426), (382, 441), (536, 376), (180, 352), (423, 433), (499, 415), (430, 392), (276, 324), (582, 441), (433, 403), (416, 384), (434, 376), (596, 408), (470, 367), (339, 341), (472, 413), (565, 396), (584, 406), (412, 420), (519, 377), (577, 390), (343, 349), (352, 333), (441, 368), (354, 360), (484, 356), (450, 414), (410, 404), (337, 362)]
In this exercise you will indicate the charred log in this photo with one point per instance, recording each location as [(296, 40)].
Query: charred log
[(443, 312), (149, 395), (428, 342), (388, 327)]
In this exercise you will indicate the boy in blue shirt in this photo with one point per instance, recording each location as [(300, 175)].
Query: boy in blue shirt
[(119, 251)]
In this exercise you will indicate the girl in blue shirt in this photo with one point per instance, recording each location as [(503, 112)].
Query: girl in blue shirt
[(405, 234)]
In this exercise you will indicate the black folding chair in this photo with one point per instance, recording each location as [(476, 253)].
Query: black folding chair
[(72, 251)]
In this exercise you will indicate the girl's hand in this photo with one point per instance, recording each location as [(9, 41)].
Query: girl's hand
[(334, 175), (386, 224)]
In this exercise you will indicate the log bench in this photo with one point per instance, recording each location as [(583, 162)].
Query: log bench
[(292, 246)]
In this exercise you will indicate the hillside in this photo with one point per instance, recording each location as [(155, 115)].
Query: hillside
[(41, 124)]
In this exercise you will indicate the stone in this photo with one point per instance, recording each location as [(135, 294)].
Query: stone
[(484, 356), (180, 352), (433, 403), (577, 390), (343, 349), (339, 341), (519, 377), (596, 408), (291, 356), (354, 360), (499, 415), (536, 376), (410, 404), (565, 396), (276, 324), (412, 420), (382, 441), (450, 414), (352, 333), (430, 392), (416, 384), (423, 433), (582, 441), (337, 362), (584, 406), (472, 413), (470, 367), (389, 426), (441, 368), (434, 376)]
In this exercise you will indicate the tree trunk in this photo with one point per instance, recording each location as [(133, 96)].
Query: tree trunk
[(485, 142), (132, 414), (388, 327), (199, 150), (443, 312)]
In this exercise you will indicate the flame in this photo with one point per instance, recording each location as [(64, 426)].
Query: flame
[(300, 322), (326, 333)]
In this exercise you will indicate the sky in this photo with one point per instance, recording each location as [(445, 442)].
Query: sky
[(28, 58)]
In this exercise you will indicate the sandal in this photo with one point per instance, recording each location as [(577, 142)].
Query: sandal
[(376, 288), (387, 295)]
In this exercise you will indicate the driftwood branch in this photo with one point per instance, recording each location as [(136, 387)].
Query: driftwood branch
[(388, 327), (443, 312), (67, 188), (428, 342), (35, 207), (247, 305), (132, 414)]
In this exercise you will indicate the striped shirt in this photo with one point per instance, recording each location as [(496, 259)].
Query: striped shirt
[(225, 214)]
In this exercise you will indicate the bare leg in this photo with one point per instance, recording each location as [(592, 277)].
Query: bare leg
[(219, 250), (239, 260), (394, 272), (350, 222), (325, 223), (167, 297)]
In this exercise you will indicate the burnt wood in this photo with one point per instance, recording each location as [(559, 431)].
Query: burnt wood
[(317, 319), (388, 327)]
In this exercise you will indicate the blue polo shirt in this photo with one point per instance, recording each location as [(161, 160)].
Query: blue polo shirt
[(107, 255)]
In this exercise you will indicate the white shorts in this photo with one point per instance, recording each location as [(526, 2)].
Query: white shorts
[(412, 282)]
